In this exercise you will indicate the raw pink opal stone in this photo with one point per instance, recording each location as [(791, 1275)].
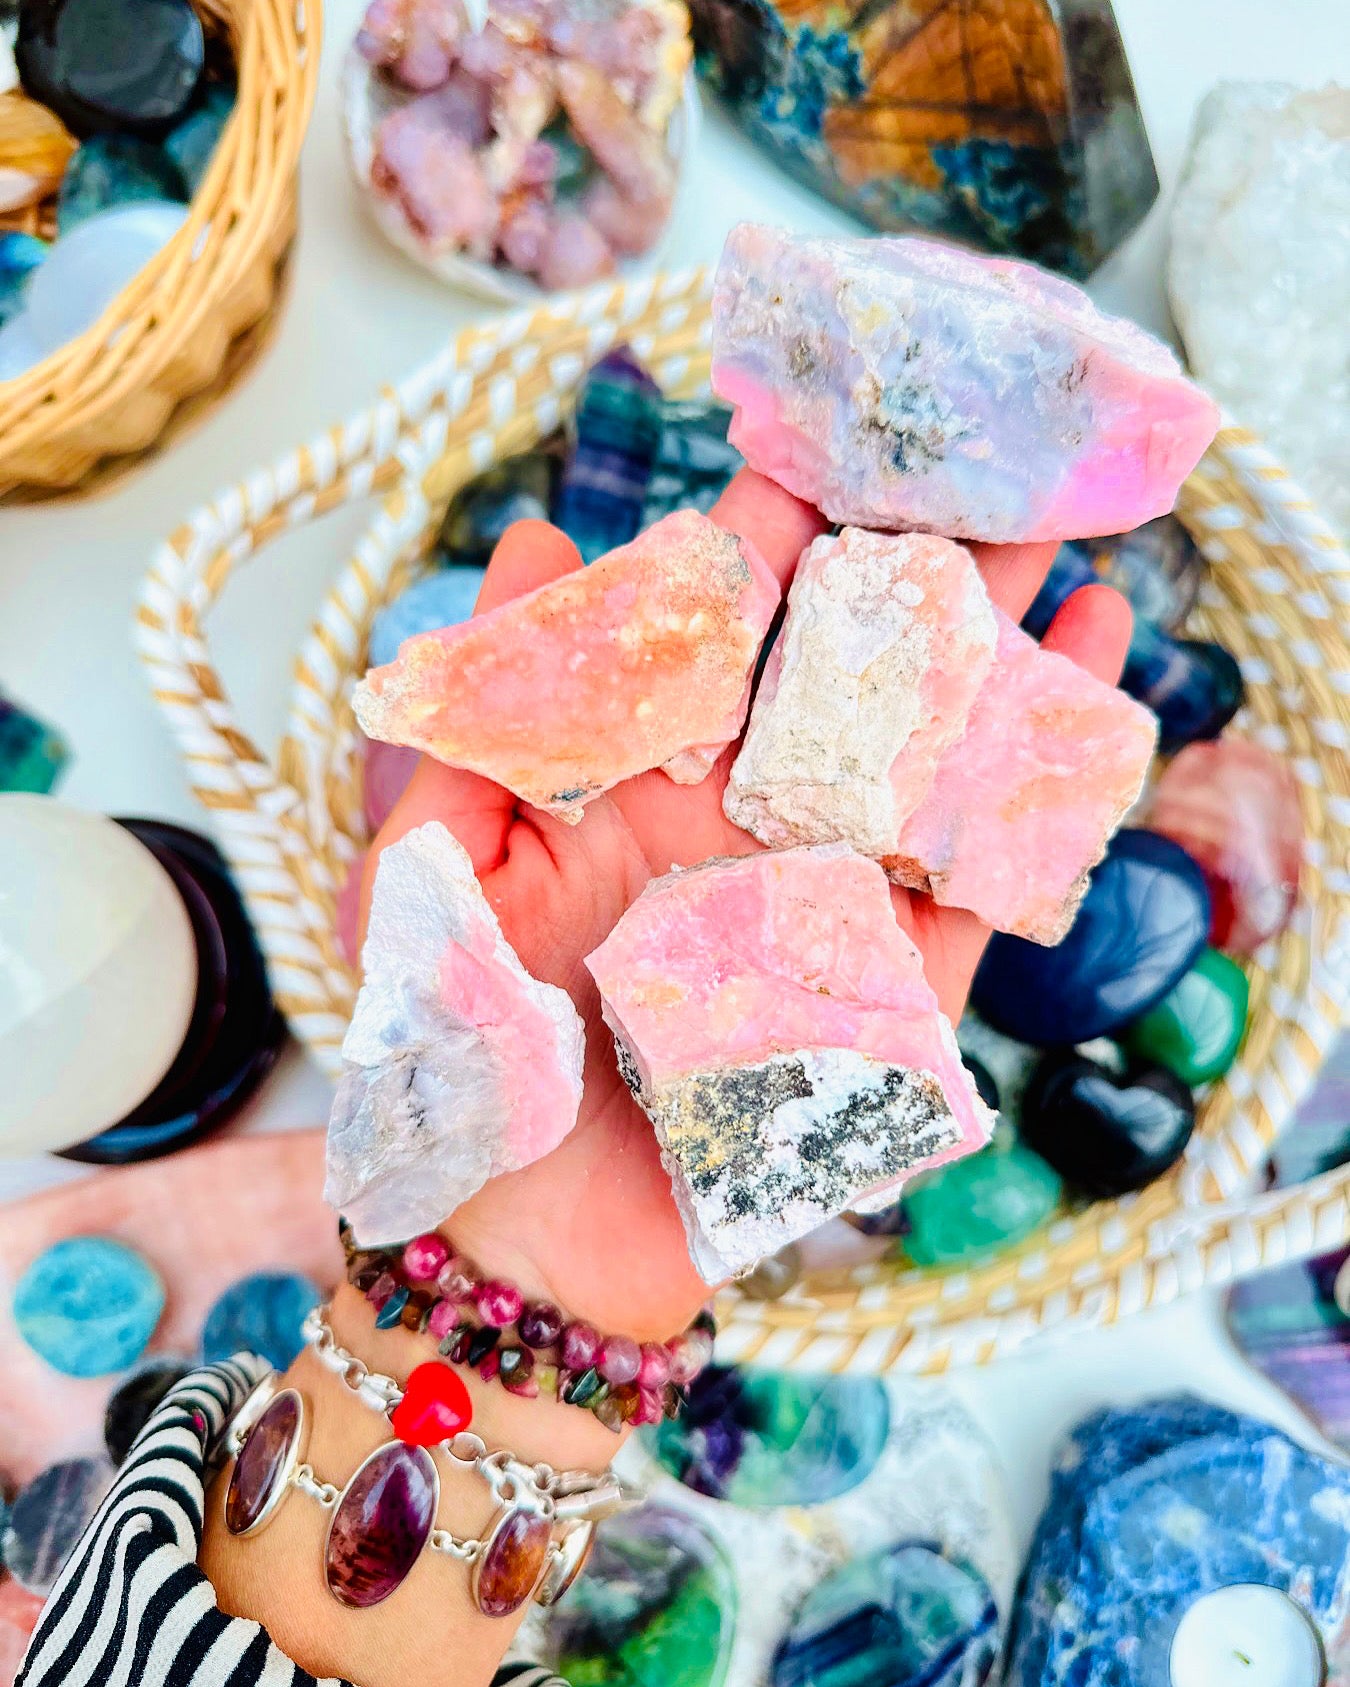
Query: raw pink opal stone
[(457, 1065), (775, 1023), (901, 383), (887, 642), (1233, 806), (1024, 803), (641, 660)]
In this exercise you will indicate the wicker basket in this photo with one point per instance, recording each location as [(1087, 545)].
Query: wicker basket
[(173, 332), (293, 829)]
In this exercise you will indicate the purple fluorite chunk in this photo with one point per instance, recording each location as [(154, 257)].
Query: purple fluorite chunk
[(381, 1524), (264, 1464)]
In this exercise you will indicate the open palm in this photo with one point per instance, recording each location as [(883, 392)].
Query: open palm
[(593, 1225)]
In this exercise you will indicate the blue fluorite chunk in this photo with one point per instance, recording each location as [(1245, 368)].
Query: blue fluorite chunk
[(520, 488), (48, 1518), (1193, 685), (192, 145), (1154, 1506), (442, 599), (260, 1314), (906, 1617), (20, 255), (1157, 567), (694, 460), (88, 1306), (765, 1438), (1142, 925), (617, 431), (114, 170)]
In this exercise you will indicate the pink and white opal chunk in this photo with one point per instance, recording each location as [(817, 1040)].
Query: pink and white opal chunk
[(1023, 805), (902, 383), (642, 660), (458, 1065), (776, 1025), (887, 642)]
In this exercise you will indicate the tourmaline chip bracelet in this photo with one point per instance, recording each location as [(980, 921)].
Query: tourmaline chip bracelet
[(528, 1346)]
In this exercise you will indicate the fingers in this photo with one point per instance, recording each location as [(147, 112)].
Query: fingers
[(1092, 628), (1014, 573), (529, 555), (779, 526)]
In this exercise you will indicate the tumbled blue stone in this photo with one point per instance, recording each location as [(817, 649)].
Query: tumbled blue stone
[(1143, 923), (32, 755), (1155, 1505), (88, 1306), (1105, 1133), (192, 145), (655, 1608), (1193, 686), (109, 171), (908, 1617), (1158, 568), (260, 1314), (124, 65), (442, 599), (518, 489), (48, 1517), (615, 435), (768, 1438), (135, 1399), (20, 255), (694, 461)]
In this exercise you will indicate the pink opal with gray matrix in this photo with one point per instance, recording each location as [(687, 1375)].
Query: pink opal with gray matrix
[(904, 384), (776, 1025), (641, 660)]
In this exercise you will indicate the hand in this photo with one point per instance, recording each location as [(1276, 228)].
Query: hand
[(593, 1226)]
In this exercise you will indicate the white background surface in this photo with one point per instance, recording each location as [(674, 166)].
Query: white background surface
[(359, 316)]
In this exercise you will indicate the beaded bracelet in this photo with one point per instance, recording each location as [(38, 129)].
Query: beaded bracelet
[(530, 1347)]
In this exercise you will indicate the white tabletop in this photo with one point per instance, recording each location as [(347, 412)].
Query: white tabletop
[(360, 316)]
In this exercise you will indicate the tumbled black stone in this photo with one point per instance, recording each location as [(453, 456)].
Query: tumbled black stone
[(126, 65), (134, 1400), (1106, 1134)]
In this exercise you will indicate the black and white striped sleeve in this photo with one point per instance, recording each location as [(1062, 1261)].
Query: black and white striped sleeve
[(131, 1608)]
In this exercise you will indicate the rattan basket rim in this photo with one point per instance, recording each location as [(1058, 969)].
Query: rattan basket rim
[(293, 829)]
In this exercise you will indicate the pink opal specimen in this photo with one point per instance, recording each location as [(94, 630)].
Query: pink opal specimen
[(887, 642), (775, 1023), (641, 660), (905, 384), (1024, 803), (458, 1066), (1233, 806)]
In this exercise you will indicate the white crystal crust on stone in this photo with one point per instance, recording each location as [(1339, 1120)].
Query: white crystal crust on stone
[(458, 1065)]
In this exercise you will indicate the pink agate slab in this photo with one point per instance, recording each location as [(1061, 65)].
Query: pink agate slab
[(902, 383), (641, 660), (203, 1219), (887, 641), (457, 1065), (775, 1023), (1023, 805)]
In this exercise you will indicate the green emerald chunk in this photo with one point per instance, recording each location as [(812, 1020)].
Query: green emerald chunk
[(980, 1205), (1195, 1031)]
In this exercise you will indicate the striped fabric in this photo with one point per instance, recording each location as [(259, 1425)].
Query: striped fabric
[(131, 1608)]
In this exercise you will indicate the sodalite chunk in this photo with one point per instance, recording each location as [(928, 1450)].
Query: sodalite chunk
[(642, 660), (905, 384), (458, 1066), (775, 1023)]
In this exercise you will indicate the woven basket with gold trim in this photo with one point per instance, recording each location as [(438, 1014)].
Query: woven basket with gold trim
[(178, 329), (292, 827)]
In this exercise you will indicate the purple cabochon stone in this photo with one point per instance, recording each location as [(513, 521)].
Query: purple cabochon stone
[(510, 1568), (263, 1463), (381, 1524)]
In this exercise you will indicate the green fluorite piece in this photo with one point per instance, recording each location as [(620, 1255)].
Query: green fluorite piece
[(979, 1205), (109, 171), (31, 755), (656, 1607), (192, 145), (1196, 1030)]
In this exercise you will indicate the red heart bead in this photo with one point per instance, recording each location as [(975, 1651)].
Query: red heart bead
[(435, 1406)]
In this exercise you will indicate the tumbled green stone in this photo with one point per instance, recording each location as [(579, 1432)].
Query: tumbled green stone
[(979, 1205), (1196, 1030), (115, 170)]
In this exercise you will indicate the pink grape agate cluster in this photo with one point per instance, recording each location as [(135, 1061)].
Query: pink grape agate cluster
[(907, 385), (776, 1025)]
